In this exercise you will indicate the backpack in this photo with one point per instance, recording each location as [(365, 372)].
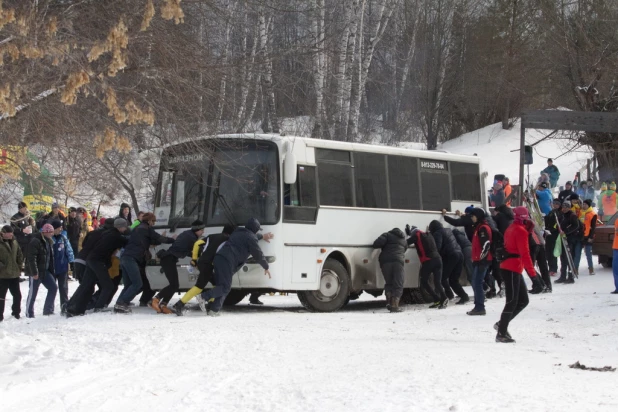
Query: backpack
[(497, 247)]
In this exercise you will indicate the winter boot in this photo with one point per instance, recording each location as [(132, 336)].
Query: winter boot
[(155, 304), (179, 308), (500, 338), (389, 297), (394, 307), (463, 300), (255, 301), (491, 294), (475, 312), (591, 271), (561, 279), (497, 327), (201, 302), (443, 304), (213, 313), (166, 310), (434, 305), (120, 308), (569, 280)]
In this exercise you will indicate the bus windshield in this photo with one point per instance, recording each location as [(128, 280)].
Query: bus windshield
[(220, 181)]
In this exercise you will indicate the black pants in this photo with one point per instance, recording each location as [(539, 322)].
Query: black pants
[(206, 269), (95, 297), (427, 268), (539, 258), (81, 297), (79, 271), (516, 298), (147, 292), (393, 278), (467, 253), (552, 261), (168, 263), (11, 285), (453, 266), (107, 287), (496, 273)]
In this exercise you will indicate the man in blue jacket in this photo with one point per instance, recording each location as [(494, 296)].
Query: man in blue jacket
[(63, 255), (545, 198), (234, 254), (553, 172)]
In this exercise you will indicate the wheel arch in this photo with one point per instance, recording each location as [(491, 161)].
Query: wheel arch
[(340, 257)]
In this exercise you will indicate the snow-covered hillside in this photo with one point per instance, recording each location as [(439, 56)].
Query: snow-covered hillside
[(281, 358), (494, 146)]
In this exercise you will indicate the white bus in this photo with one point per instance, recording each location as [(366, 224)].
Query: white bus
[(324, 201)]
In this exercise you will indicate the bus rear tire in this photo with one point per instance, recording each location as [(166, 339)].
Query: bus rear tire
[(234, 297), (334, 290)]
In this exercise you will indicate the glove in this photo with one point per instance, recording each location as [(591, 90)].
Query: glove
[(408, 230), (193, 262)]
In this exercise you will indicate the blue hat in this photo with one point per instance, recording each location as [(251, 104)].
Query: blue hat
[(469, 209)]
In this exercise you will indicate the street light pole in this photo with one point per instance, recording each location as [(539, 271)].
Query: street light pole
[(522, 144)]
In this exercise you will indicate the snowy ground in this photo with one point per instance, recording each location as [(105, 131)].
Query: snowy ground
[(281, 358)]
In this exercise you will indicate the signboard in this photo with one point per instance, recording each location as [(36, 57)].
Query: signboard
[(437, 165), (163, 215)]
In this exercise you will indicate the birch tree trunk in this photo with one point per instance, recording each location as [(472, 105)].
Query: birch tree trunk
[(224, 63), (317, 29), (247, 76), (383, 16), (340, 77), (269, 123)]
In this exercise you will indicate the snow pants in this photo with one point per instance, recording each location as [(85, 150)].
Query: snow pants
[(451, 271), (427, 268), (393, 278), (224, 271), (50, 284), (516, 298), (11, 285)]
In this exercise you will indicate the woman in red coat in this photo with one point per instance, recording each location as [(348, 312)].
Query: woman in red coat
[(517, 257)]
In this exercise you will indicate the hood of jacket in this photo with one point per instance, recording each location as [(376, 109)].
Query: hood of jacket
[(398, 232), (435, 225), (253, 225)]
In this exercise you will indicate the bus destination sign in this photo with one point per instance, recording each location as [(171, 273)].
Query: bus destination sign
[(434, 165)]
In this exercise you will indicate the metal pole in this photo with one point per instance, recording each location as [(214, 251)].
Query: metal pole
[(522, 148)]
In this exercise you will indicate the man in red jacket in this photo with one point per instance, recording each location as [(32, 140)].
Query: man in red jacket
[(516, 258)]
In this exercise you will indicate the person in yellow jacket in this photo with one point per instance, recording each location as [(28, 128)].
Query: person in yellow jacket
[(608, 201), (576, 206), (589, 220)]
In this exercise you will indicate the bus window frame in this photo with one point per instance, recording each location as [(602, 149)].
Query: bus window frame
[(315, 208)]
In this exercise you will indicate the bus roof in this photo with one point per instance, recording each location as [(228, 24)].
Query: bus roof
[(338, 145)]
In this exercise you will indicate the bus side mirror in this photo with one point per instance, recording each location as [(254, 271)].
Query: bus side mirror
[(289, 168)]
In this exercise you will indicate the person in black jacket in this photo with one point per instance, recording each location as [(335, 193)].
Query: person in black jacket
[(40, 269), (452, 261), (431, 262), (464, 220), (181, 248), (209, 246), (231, 257), (125, 213), (571, 227), (466, 249), (394, 246), (23, 227), (74, 226), (134, 258), (99, 260), (567, 192), (503, 218), (552, 231)]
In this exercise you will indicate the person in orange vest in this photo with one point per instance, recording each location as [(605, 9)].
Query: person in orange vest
[(615, 257), (589, 220), (507, 191), (607, 202)]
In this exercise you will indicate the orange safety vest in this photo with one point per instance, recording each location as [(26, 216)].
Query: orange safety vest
[(609, 204), (587, 217), (615, 245)]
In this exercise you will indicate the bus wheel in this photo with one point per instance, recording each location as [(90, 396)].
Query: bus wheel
[(606, 263), (334, 289), (234, 297)]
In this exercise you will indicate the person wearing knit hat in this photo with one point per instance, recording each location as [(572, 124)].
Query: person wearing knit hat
[(181, 248), (40, 268), (63, 258), (608, 202), (464, 220), (481, 259), (517, 258), (571, 227), (11, 259), (589, 220)]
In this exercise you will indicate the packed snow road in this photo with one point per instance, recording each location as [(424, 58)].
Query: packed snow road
[(281, 358)]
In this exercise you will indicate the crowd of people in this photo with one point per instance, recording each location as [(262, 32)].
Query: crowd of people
[(493, 249)]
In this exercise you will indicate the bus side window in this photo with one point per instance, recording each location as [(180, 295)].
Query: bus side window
[(300, 199)]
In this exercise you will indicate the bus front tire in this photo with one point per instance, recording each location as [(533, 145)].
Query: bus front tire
[(234, 297), (334, 290)]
